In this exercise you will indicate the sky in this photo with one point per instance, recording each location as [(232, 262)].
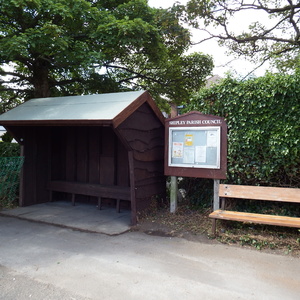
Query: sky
[(223, 62)]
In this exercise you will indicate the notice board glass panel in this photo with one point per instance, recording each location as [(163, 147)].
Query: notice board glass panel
[(194, 147)]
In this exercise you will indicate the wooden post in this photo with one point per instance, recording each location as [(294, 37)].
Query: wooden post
[(173, 194), (216, 204), (21, 185), (214, 227), (132, 189)]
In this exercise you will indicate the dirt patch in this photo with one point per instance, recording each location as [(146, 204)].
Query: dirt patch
[(195, 225)]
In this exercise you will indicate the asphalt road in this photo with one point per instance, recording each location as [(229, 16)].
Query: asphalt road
[(39, 261)]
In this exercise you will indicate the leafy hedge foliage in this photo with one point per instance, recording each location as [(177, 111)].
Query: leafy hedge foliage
[(9, 149), (198, 191), (263, 118), (9, 173)]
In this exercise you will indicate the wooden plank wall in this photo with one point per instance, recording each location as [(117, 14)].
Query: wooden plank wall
[(36, 164), (85, 154), (144, 133), (88, 154)]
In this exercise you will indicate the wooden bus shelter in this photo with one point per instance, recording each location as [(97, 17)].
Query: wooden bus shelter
[(95, 148)]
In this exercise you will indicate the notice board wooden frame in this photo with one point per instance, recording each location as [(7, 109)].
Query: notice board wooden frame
[(190, 128)]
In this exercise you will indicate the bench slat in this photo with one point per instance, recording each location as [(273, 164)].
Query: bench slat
[(255, 218), (90, 189), (260, 193)]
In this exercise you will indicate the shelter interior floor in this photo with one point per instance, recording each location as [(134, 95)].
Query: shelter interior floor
[(83, 216)]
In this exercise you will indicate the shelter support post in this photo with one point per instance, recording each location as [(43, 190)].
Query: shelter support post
[(173, 194), (21, 185)]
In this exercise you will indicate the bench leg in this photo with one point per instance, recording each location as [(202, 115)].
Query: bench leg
[(214, 226), (99, 203), (73, 199), (118, 205)]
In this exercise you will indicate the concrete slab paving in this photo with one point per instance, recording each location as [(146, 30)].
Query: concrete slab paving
[(82, 216)]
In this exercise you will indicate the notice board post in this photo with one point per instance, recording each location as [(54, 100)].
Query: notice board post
[(196, 146)]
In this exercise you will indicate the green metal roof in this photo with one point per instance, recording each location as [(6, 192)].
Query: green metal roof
[(90, 107)]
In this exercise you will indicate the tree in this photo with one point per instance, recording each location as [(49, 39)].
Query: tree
[(275, 36), (175, 79), (66, 47), (9, 99)]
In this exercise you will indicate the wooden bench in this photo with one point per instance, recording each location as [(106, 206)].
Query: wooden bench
[(90, 189), (256, 193)]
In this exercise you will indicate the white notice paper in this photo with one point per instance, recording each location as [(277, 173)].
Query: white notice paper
[(212, 140), (189, 155), (200, 154)]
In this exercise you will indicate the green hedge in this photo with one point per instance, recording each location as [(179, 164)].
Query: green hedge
[(263, 118), (9, 149), (10, 168), (10, 165)]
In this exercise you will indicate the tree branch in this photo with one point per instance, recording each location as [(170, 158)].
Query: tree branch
[(292, 21), (138, 74)]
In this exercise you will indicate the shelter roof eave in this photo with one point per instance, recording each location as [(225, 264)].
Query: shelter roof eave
[(91, 110), (66, 109), (57, 123), (143, 98)]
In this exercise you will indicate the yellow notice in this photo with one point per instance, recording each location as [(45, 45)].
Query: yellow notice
[(188, 139)]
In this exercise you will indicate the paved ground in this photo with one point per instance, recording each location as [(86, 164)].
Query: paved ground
[(41, 261), (82, 216)]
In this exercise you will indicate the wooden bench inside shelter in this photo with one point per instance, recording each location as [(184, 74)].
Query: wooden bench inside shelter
[(291, 195), (90, 189)]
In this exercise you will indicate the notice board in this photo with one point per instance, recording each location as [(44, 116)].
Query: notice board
[(196, 146)]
